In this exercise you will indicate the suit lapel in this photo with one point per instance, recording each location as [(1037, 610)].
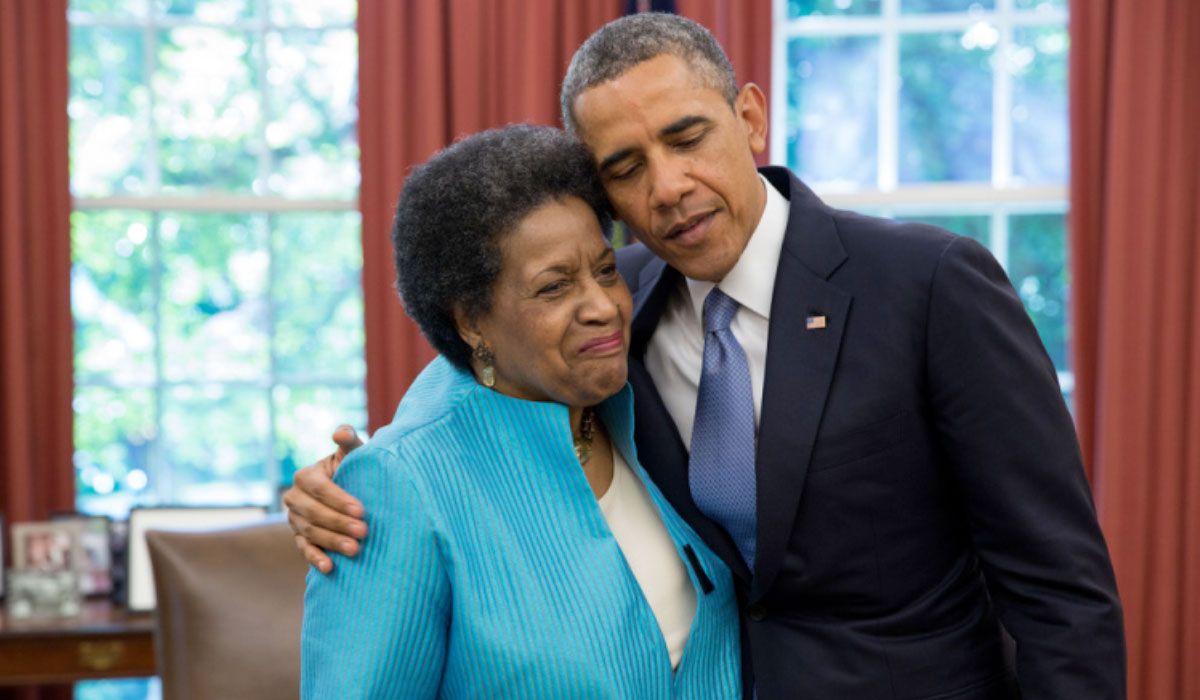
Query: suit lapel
[(651, 290), (800, 366), (660, 448)]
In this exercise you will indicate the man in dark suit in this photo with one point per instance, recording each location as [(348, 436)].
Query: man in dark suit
[(912, 519)]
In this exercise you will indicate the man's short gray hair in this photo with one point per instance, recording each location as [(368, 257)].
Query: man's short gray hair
[(625, 42)]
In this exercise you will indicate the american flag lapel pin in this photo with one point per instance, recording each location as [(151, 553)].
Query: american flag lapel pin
[(815, 322)]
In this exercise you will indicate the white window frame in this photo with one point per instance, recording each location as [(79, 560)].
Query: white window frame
[(1003, 196), (157, 203)]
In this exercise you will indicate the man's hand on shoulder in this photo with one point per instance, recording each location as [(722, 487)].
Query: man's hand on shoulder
[(323, 516)]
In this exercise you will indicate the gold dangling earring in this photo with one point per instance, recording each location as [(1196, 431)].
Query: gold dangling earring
[(487, 374)]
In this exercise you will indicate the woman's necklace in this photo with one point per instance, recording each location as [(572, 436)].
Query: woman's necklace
[(587, 429)]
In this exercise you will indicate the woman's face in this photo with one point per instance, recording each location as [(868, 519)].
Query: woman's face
[(559, 322)]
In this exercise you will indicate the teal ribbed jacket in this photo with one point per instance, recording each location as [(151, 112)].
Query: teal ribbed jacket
[(490, 572)]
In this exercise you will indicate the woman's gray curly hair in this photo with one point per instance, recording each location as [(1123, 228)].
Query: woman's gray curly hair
[(454, 209)]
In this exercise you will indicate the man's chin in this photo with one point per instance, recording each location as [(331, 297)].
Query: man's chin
[(701, 266)]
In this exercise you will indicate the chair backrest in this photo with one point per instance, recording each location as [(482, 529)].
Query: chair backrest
[(230, 607)]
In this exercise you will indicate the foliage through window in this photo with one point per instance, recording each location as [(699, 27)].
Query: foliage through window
[(952, 112), (216, 254)]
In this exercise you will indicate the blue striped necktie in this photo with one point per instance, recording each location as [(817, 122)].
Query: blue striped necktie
[(721, 465)]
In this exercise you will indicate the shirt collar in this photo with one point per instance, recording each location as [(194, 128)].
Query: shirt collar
[(751, 282)]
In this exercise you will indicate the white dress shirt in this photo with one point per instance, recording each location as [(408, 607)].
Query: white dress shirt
[(676, 350)]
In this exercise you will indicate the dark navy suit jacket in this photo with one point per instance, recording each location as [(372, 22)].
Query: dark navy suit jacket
[(920, 488)]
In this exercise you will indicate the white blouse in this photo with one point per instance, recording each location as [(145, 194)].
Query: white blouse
[(657, 566)]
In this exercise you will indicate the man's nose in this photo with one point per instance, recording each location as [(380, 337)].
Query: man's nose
[(670, 181)]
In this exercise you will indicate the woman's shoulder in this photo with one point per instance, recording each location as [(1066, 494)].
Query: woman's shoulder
[(435, 394), (424, 424)]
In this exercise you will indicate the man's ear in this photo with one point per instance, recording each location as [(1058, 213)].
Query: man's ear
[(751, 108)]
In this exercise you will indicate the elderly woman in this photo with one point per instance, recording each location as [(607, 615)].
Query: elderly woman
[(518, 549)]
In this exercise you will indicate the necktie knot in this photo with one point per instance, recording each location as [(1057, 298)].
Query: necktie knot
[(719, 309)]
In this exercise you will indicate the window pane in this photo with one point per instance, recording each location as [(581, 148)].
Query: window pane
[(1038, 62), (915, 6), (1037, 266), (311, 127), (187, 323), (208, 109), (117, 8), (971, 226), (305, 417), (803, 8), (119, 689), (1040, 4), (317, 286), (946, 106), (214, 306), (112, 296), (313, 13), (222, 11), (114, 436), (109, 108), (832, 111), (215, 444)]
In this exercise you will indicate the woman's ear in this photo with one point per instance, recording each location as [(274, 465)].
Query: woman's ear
[(467, 327)]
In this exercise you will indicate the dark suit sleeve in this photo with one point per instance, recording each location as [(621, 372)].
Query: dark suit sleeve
[(1012, 450)]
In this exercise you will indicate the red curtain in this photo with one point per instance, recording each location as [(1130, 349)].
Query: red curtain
[(36, 420), (36, 475), (1135, 218), (430, 72)]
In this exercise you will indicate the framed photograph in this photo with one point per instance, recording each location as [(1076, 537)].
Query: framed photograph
[(42, 594), (95, 576), (140, 579), (47, 547)]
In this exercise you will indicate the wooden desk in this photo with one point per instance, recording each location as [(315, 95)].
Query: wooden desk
[(103, 641)]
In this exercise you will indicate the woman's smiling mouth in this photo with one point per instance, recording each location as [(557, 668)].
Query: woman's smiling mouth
[(603, 345)]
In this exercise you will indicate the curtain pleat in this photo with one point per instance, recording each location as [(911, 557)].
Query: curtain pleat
[(36, 419), (36, 472), (1135, 216)]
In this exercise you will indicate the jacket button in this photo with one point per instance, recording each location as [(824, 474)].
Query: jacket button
[(756, 612)]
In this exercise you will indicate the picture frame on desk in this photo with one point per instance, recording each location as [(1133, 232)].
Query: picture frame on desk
[(139, 577), (47, 546), (47, 561), (118, 539), (96, 573), (42, 594)]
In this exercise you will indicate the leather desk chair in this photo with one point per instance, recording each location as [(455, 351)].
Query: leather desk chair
[(230, 607)]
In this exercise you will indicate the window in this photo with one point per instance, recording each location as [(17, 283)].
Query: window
[(952, 112), (216, 253)]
